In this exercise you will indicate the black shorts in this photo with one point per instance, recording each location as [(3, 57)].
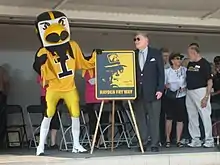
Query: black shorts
[(55, 124), (175, 109)]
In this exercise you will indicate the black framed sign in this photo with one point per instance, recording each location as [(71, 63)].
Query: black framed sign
[(115, 75)]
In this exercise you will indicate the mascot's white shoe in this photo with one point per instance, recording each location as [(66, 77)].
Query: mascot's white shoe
[(40, 151), (76, 131), (43, 135), (78, 149)]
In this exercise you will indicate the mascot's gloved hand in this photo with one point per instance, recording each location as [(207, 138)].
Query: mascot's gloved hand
[(42, 59), (98, 51)]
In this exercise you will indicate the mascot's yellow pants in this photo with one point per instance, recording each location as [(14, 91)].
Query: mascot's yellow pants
[(71, 99)]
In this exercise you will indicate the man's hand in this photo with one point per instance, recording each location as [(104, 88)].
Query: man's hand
[(182, 89), (167, 86), (204, 102), (159, 95)]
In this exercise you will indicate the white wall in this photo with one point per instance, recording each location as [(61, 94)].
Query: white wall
[(19, 43)]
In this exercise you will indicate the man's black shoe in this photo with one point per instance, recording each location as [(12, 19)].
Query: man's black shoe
[(154, 149), (54, 147)]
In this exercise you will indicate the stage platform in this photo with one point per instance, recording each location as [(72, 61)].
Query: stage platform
[(172, 156)]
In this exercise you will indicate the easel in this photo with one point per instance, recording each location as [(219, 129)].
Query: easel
[(113, 126)]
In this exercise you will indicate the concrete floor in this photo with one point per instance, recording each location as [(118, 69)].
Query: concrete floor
[(27, 157)]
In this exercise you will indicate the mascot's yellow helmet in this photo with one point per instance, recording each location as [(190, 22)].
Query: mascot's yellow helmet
[(53, 28)]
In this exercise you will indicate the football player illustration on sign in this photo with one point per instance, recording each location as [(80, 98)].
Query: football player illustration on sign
[(56, 62), (113, 69)]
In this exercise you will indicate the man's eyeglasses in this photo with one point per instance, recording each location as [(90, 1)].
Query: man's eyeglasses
[(136, 39), (177, 58)]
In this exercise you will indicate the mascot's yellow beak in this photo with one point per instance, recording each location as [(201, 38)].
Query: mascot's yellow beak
[(56, 33)]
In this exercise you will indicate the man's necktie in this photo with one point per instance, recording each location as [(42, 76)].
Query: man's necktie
[(141, 59)]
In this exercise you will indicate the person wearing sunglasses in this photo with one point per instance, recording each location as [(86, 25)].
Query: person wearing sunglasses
[(150, 86), (199, 86), (175, 82)]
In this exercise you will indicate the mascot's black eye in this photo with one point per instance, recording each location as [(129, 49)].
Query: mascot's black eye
[(45, 25), (62, 21)]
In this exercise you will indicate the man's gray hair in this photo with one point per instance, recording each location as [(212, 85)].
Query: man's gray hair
[(145, 34)]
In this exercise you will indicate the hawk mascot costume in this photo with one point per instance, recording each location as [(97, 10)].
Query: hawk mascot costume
[(56, 62)]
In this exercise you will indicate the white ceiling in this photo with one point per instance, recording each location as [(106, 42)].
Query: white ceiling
[(197, 8), (203, 13), (157, 7)]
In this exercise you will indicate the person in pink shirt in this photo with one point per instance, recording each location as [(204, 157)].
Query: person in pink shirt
[(54, 125), (92, 103)]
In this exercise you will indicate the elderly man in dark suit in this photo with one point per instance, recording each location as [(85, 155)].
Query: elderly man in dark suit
[(150, 86)]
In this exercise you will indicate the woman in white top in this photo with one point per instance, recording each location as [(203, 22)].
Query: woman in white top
[(175, 82)]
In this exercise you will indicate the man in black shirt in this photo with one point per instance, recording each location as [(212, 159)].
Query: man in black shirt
[(199, 85)]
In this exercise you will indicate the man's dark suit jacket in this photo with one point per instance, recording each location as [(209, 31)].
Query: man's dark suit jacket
[(151, 78)]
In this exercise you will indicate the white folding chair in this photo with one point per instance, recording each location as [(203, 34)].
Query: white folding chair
[(104, 127), (35, 115), (66, 128), (84, 128), (16, 126), (132, 136)]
